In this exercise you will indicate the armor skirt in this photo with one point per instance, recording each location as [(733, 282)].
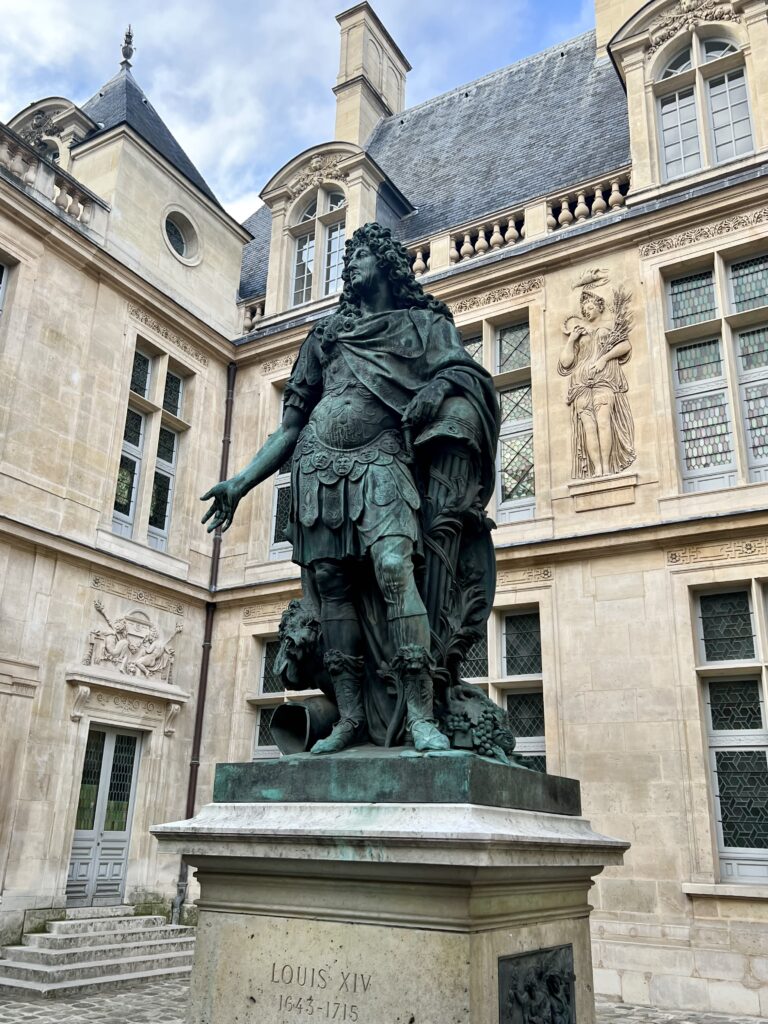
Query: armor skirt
[(345, 499)]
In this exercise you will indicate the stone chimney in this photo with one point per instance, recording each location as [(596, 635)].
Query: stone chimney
[(372, 70), (610, 15)]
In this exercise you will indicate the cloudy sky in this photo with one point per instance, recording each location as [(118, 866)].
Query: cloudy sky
[(244, 85)]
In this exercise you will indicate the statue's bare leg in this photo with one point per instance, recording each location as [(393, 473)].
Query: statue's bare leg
[(408, 627), (343, 647)]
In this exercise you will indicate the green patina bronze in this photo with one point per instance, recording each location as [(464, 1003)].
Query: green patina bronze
[(372, 775), (391, 429)]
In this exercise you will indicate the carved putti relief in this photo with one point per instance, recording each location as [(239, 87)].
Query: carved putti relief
[(687, 15), (596, 348), (131, 645)]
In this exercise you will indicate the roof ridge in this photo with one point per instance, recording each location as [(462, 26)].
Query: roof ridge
[(433, 100)]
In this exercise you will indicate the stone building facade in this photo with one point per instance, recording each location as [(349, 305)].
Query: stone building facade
[(596, 217)]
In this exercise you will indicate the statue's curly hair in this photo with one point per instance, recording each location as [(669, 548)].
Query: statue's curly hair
[(392, 258)]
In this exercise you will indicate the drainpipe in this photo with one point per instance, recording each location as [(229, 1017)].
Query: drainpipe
[(210, 610)]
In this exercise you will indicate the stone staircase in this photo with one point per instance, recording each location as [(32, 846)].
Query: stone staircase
[(95, 949)]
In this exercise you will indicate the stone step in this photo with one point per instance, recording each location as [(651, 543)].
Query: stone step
[(47, 940), (85, 954), (44, 974), (97, 913), (87, 986), (104, 924)]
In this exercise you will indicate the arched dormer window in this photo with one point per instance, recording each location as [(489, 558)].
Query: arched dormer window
[(319, 239), (703, 107)]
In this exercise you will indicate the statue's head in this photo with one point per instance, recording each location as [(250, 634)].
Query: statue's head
[(592, 305)]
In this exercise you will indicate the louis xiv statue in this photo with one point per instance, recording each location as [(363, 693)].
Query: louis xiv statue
[(392, 428)]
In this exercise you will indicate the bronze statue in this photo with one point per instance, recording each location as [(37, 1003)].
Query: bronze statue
[(392, 429)]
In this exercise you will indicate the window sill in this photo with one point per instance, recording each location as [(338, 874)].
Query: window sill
[(141, 554), (740, 891)]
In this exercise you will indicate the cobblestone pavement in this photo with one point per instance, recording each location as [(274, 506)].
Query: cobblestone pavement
[(164, 1002)]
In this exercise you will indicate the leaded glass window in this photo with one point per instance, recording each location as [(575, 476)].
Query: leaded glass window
[(475, 662), (522, 644), (302, 276), (334, 256), (120, 784), (162, 489), (729, 113), (514, 347), (742, 790), (172, 394), (704, 425), (726, 626), (270, 681), (692, 299), (140, 374), (264, 737), (129, 470), (749, 279), (474, 347), (752, 349), (752, 363), (735, 704), (525, 713), (281, 522), (680, 143)]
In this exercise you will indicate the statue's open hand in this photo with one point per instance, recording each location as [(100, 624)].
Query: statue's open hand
[(423, 408), (226, 497)]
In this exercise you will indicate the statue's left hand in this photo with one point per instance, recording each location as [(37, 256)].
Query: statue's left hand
[(424, 407)]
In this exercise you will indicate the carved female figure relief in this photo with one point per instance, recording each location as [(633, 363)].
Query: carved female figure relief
[(597, 346)]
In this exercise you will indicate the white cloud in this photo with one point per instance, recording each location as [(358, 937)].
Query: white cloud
[(244, 85)]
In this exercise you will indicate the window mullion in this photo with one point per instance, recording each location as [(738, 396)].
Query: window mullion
[(704, 118), (731, 373)]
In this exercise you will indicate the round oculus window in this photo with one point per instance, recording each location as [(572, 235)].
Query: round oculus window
[(181, 235)]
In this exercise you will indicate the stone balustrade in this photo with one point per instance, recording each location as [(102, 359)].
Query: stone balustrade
[(588, 203), (54, 188), (490, 236), (252, 313), (421, 258)]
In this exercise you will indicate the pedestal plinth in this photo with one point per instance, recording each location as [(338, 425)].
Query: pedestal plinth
[(421, 902)]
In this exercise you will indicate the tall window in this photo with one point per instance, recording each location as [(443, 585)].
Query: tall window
[(153, 417), (721, 362), (319, 241), (523, 699), (737, 731), (703, 108), (270, 695), (516, 480), (280, 541)]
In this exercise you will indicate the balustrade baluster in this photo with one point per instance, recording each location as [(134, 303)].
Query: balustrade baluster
[(453, 252), (582, 210), (87, 210), (497, 239), (419, 266), (512, 234), (247, 321), (566, 217), (74, 209), (467, 249), (551, 220), (599, 205), (616, 199), (62, 198), (18, 167), (481, 245)]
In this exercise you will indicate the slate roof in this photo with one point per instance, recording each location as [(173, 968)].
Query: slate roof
[(121, 101), (547, 123)]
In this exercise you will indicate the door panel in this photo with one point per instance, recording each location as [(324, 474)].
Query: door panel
[(103, 822)]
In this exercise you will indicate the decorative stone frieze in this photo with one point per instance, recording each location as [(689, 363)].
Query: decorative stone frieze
[(687, 15), (154, 325), (131, 645), (320, 168), (264, 611), (727, 551), (137, 594), (705, 232), (102, 693), (278, 363), (512, 291), (533, 574)]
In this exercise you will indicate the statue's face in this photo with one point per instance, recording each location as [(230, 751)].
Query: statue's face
[(362, 268), (590, 309)]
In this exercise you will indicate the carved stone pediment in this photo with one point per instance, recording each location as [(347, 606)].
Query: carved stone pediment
[(686, 15), (319, 168), (103, 692), (131, 645)]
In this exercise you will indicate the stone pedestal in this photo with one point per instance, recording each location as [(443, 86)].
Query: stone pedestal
[(418, 901)]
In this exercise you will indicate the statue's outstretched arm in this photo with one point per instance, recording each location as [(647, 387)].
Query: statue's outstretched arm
[(268, 460)]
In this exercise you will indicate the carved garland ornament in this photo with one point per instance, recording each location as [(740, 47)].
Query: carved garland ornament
[(512, 291), (706, 231), (319, 169), (687, 14), (166, 334)]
